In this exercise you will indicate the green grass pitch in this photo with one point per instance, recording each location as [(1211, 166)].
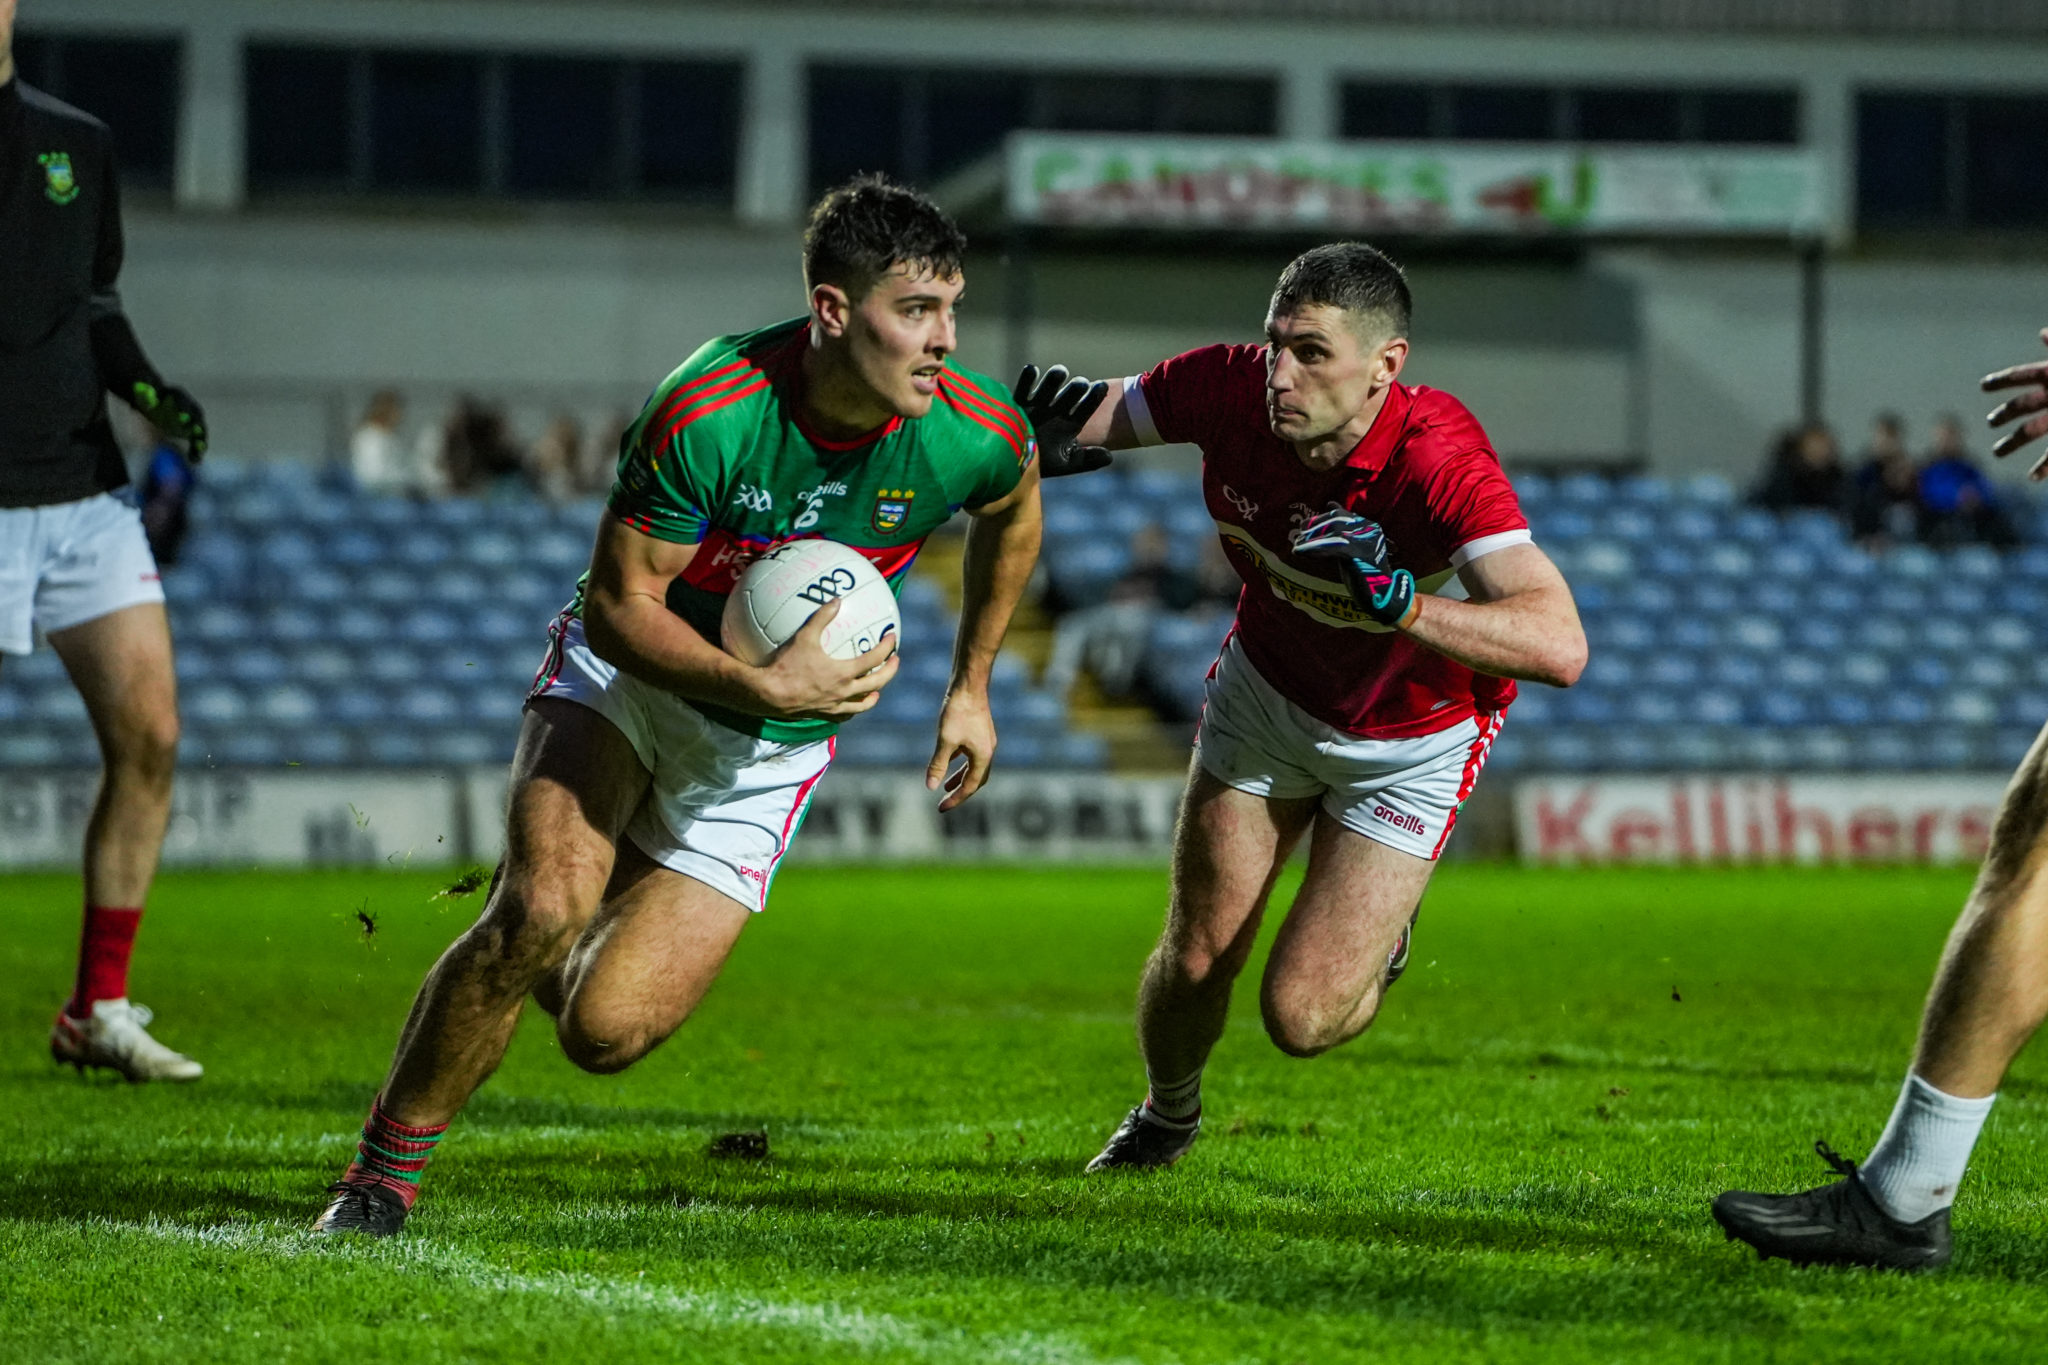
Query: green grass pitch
[(1514, 1164)]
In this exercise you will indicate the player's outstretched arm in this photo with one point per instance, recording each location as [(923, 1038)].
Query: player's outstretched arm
[(2033, 378), (628, 624), (1077, 422), (1002, 547)]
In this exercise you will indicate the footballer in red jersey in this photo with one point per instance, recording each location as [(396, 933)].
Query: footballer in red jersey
[(1392, 596)]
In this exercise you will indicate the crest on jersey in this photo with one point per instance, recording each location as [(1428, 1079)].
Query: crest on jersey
[(892, 509), (59, 184)]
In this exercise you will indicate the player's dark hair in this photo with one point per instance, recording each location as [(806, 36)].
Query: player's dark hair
[(863, 229), (1352, 276)]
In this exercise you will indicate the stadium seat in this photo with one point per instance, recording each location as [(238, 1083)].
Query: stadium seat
[(394, 665), (218, 704), (254, 665)]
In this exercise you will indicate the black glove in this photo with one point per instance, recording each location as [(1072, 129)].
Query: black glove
[(176, 414), (1360, 548), (1058, 408)]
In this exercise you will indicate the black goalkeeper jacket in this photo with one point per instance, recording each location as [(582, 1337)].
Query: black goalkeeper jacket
[(64, 340)]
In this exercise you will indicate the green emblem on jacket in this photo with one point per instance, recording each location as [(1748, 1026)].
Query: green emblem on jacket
[(58, 182)]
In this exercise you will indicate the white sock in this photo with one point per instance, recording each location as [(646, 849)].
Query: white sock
[(1915, 1167), (1178, 1102)]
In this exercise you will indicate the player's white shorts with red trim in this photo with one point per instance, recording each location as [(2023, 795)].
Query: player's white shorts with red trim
[(723, 806), (69, 563), (1404, 793)]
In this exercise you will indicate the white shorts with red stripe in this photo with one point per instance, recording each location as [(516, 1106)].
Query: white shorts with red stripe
[(1404, 793), (723, 806), (68, 563)]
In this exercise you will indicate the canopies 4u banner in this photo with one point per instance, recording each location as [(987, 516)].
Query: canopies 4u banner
[(1106, 181)]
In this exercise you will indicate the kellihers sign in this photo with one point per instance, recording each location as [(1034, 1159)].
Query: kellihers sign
[(1247, 184)]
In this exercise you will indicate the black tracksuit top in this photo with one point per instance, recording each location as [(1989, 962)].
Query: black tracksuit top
[(64, 340)]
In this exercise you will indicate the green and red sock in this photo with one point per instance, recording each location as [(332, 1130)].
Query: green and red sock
[(392, 1155), (103, 951)]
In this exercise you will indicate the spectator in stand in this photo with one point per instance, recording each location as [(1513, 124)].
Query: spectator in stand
[(1962, 506), (554, 465), (1806, 471), (1109, 638), (376, 457), (1885, 504), (477, 453), (600, 462), (167, 481)]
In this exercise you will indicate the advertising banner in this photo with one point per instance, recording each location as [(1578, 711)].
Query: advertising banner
[(1104, 181), (1701, 818), (233, 818)]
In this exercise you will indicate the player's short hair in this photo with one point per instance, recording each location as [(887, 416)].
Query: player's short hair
[(863, 229), (1351, 276)]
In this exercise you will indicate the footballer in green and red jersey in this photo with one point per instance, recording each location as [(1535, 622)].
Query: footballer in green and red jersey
[(659, 779), (721, 458)]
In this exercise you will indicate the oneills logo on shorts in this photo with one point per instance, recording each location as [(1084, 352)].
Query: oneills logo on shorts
[(1400, 819)]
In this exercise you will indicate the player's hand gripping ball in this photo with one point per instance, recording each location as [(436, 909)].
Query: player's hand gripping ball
[(1058, 408), (1360, 548), (781, 589)]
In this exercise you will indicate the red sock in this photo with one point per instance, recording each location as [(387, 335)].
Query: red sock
[(103, 957), (392, 1155)]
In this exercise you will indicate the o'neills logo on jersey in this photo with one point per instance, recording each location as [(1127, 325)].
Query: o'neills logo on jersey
[(892, 509)]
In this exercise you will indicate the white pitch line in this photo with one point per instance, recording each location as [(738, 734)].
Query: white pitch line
[(825, 1323)]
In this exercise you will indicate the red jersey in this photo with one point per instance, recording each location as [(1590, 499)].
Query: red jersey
[(1425, 472)]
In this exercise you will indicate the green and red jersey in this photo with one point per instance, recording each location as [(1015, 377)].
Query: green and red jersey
[(722, 458)]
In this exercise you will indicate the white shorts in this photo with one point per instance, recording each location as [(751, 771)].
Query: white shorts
[(69, 563), (724, 805), (1404, 793)]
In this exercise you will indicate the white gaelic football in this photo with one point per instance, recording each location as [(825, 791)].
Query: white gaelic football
[(781, 589)]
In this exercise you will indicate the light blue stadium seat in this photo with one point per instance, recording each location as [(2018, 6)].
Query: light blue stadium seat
[(466, 746), (1979, 563), (1781, 709), (1609, 670), (2028, 561), (1578, 707), (1757, 634), (1950, 749), (1797, 672), (1644, 489), (53, 703), (544, 594), (1124, 519), (1847, 708), (1631, 750), (322, 585), (387, 587), (456, 512), (1863, 669), (1656, 709), (1712, 490), (1726, 559), (286, 704), (1561, 751), (1880, 635), (422, 547), (216, 551), (1071, 517), (1586, 490), (2009, 745), (453, 586), (393, 665), (1698, 750), (1767, 751), (186, 584), (216, 704), (1080, 751), (360, 706), (1692, 526), (1912, 562), (254, 507), (426, 706), (1835, 599), (1809, 527), (1968, 707), (1926, 672), (319, 746), (323, 665), (193, 660), (432, 626), (2010, 634), (1559, 525), (360, 626), (1782, 600), (1632, 524), (1717, 706), (490, 548), (254, 665), (1752, 525), (294, 625), (1694, 633), (497, 625), (2026, 709), (1823, 749), (218, 623), (1025, 751), (872, 745), (1533, 488), (393, 747), (1637, 635), (355, 547), (495, 706), (1668, 561), (388, 511), (1948, 635), (1034, 707), (286, 552), (906, 705), (1988, 672), (1535, 704), (1790, 563), (1905, 707), (1667, 670), (1161, 483)]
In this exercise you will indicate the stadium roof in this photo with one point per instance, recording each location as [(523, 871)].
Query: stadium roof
[(1875, 18)]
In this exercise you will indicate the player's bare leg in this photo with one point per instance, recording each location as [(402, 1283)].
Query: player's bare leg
[(121, 665), (1990, 995), (644, 963), (575, 782), (1327, 973), (1229, 849)]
